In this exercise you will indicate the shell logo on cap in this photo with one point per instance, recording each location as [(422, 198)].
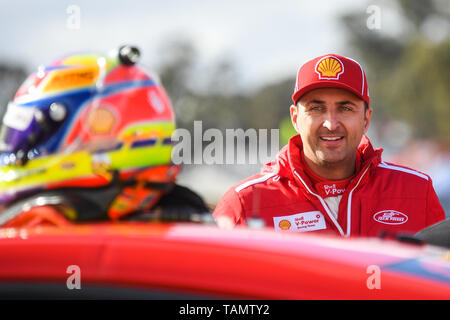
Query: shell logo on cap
[(329, 68)]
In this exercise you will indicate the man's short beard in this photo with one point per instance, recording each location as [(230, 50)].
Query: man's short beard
[(327, 163)]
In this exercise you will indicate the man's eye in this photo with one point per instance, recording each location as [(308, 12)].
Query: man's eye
[(346, 108), (316, 108)]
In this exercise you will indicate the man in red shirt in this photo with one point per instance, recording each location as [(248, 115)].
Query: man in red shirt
[(329, 177)]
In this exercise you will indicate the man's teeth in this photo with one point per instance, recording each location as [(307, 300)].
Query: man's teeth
[(331, 138)]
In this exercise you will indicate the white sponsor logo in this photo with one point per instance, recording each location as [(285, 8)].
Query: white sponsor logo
[(333, 190), (301, 222), (18, 117), (390, 217)]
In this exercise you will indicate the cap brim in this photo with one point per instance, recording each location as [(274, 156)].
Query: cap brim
[(325, 84)]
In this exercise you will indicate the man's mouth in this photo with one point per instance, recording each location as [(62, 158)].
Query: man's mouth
[(332, 138), (332, 141)]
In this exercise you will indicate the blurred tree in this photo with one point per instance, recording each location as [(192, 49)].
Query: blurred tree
[(417, 12), (178, 58), (270, 104), (286, 130), (420, 89), (408, 74), (218, 101), (221, 100), (10, 79)]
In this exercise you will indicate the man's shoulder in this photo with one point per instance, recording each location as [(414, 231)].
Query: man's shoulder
[(393, 170), (247, 185), (266, 189), (401, 181), (256, 180), (258, 183), (238, 198)]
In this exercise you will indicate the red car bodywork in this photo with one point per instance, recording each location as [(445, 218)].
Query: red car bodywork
[(238, 263)]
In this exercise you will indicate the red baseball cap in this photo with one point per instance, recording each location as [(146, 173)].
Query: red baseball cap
[(331, 71)]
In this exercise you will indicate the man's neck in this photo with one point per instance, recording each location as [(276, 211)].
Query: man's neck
[(333, 171)]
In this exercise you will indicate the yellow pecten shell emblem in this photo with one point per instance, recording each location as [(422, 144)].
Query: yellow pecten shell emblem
[(329, 68), (284, 224)]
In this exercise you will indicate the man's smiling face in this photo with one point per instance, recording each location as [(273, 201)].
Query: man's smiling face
[(331, 123)]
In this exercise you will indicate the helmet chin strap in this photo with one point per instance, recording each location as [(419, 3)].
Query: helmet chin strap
[(89, 204)]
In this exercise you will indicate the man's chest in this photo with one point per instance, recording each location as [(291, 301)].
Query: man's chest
[(366, 214)]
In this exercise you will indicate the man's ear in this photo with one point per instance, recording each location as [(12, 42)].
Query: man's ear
[(294, 117), (367, 118)]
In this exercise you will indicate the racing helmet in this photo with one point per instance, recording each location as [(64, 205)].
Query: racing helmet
[(90, 133)]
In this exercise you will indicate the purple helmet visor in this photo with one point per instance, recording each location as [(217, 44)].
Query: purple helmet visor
[(17, 128), (23, 128)]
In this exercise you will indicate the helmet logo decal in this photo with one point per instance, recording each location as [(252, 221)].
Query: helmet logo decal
[(329, 68), (155, 101), (101, 120), (67, 79)]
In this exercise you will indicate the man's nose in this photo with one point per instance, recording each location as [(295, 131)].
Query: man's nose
[(331, 121)]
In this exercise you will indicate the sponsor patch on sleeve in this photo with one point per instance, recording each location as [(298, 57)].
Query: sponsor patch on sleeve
[(301, 222)]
